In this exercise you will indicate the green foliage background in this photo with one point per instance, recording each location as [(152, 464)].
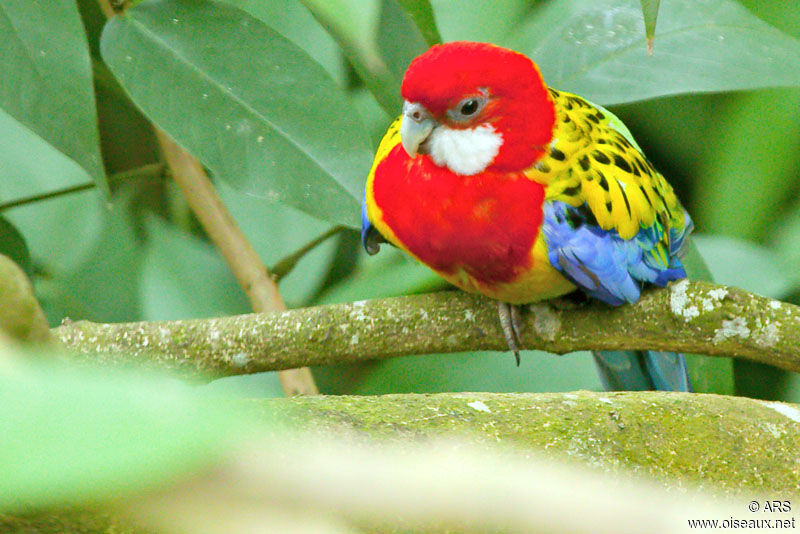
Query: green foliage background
[(284, 102)]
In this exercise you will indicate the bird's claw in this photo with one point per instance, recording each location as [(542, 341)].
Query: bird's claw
[(511, 322)]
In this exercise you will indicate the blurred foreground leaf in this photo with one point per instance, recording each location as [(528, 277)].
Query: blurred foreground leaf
[(72, 436), (476, 462)]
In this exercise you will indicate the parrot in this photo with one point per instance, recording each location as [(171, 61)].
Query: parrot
[(520, 192)]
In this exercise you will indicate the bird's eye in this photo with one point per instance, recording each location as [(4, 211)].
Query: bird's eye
[(469, 107), (465, 110)]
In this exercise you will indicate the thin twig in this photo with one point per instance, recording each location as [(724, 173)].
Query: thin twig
[(145, 171), (285, 265), (46, 196)]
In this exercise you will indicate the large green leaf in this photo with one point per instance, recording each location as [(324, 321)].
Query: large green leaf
[(47, 84), (72, 436), (389, 274), (278, 232), (60, 232), (353, 24), (481, 371), (784, 238), (597, 49), (248, 102), (380, 38), (292, 20)]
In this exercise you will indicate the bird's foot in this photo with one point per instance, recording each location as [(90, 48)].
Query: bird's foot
[(511, 322)]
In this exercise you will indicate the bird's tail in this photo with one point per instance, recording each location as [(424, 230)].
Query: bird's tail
[(642, 370)]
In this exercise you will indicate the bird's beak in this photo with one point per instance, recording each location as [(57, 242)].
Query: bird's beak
[(416, 126)]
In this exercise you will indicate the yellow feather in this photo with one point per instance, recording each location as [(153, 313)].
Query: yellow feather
[(390, 140), (594, 160)]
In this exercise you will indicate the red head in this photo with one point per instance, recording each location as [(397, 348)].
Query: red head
[(467, 98)]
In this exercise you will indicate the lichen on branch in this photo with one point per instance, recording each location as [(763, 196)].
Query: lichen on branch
[(696, 317)]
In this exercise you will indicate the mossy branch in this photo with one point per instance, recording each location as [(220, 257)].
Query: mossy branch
[(696, 317), (732, 445), (476, 462), (485, 463)]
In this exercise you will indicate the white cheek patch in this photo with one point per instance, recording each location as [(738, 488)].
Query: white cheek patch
[(467, 151)]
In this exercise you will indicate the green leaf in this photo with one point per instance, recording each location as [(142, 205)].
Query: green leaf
[(60, 232), (129, 141), (31, 166), (380, 39), (184, 277), (294, 22), (12, 244), (73, 436), (277, 231), (782, 14), (480, 371), (103, 284), (421, 13), (353, 24), (595, 49), (399, 39), (389, 274), (784, 239), (756, 144), (264, 116), (47, 84), (479, 20), (650, 13)]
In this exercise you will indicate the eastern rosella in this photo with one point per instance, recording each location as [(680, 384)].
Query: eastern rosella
[(520, 192)]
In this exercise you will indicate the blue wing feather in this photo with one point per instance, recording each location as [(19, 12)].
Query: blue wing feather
[(600, 262), (614, 270)]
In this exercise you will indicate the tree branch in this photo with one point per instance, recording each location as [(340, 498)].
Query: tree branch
[(696, 317)]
